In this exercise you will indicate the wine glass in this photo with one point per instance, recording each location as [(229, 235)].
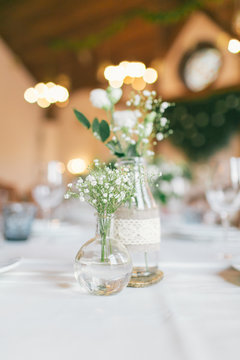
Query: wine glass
[(49, 189), (223, 193)]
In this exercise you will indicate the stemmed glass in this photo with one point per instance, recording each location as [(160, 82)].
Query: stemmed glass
[(49, 189), (223, 193)]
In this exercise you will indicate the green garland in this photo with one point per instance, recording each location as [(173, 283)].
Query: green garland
[(160, 17), (203, 126)]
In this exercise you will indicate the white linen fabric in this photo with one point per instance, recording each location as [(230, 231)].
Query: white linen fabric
[(193, 314)]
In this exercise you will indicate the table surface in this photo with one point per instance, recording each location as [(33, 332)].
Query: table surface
[(192, 314)]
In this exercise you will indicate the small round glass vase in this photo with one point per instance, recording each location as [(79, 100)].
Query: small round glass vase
[(103, 266)]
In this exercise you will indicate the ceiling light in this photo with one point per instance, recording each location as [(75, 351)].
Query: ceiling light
[(234, 46), (46, 94)]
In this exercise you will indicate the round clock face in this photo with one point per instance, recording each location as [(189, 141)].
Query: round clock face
[(201, 68)]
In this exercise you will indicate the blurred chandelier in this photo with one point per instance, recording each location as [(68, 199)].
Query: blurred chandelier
[(46, 94), (134, 73), (234, 44)]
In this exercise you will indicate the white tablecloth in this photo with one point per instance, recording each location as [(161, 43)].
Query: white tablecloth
[(193, 314)]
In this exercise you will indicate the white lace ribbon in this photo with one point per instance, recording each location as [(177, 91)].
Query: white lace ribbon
[(135, 232)]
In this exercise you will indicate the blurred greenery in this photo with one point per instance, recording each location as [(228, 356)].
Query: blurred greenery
[(202, 127)]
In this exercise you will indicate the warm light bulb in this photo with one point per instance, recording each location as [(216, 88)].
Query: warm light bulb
[(76, 166), (135, 69), (234, 46), (43, 103), (138, 84), (41, 89), (61, 93), (128, 80), (150, 75), (50, 85), (115, 83), (108, 72), (31, 95)]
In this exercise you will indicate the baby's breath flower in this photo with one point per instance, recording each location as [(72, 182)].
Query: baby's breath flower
[(163, 121), (137, 100), (138, 113), (69, 185), (148, 106), (105, 196), (146, 93), (164, 106), (149, 153), (159, 136)]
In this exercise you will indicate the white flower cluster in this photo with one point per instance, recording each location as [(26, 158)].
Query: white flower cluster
[(105, 99), (133, 129), (104, 188)]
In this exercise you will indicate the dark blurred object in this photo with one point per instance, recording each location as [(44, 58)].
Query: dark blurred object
[(203, 126), (17, 220)]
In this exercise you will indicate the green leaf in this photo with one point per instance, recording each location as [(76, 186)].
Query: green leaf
[(132, 150), (104, 130), (115, 148), (82, 118), (95, 126), (167, 177)]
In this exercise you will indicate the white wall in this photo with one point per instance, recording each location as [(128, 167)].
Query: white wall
[(19, 122), (75, 140)]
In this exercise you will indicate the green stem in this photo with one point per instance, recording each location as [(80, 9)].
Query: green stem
[(110, 116), (104, 233)]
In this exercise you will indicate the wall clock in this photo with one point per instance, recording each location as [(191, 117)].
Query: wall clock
[(200, 67)]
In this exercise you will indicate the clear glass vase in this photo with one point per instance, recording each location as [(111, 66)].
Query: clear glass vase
[(103, 266), (137, 226)]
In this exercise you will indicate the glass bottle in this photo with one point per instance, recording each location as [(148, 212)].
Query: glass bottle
[(103, 266), (137, 226)]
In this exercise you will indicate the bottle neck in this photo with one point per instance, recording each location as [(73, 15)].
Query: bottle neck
[(104, 226), (137, 166)]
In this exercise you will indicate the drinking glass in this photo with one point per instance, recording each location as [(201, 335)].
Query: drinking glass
[(223, 193), (49, 190), (17, 220)]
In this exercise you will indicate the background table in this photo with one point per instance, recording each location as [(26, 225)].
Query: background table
[(193, 314)]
